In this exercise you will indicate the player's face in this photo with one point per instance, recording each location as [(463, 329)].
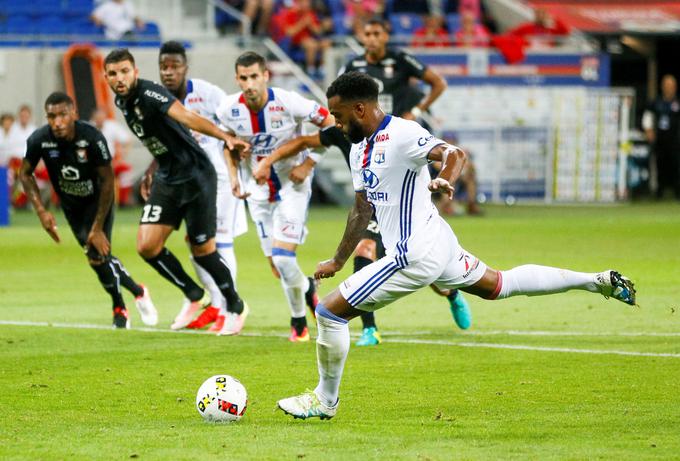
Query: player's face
[(121, 77), (375, 39), (173, 69), (347, 118), (253, 82), (61, 118)]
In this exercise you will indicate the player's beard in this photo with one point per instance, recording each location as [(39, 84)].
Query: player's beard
[(355, 133)]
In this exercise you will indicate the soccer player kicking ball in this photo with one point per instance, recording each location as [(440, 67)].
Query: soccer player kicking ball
[(204, 98), (184, 185), (421, 247), (268, 117), (79, 164)]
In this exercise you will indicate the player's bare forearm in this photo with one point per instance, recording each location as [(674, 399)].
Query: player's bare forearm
[(293, 147), (198, 123), (105, 174), (453, 160), (437, 87), (357, 220), (30, 186)]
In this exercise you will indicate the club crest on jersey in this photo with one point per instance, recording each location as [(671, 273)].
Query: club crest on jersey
[(379, 156), (276, 122), (235, 112), (82, 155), (370, 179)]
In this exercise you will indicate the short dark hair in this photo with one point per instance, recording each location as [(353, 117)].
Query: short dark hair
[(119, 55), (173, 47), (378, 21), (249, 58), (58, 97), (354, 86)]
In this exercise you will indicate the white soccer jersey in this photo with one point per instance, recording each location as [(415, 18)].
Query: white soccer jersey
[(391, 166), (204, 98), (280, 120)]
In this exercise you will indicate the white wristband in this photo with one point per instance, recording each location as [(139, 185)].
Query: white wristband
[(416, 111)]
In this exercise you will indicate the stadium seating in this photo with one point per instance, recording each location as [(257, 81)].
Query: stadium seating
[(405, 23)]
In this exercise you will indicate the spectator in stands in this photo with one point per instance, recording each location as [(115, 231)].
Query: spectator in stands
[(118, 141), (258, 11), (471, 33), (8, 144), (433, 34), (543, 26), (358, 12), (24, 126), (118, 19), (306, 31), (661, 122)]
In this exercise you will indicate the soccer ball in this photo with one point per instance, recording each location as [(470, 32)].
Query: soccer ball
[(221, 398)]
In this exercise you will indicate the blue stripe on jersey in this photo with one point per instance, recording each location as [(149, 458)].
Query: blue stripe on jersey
[(260, 115), (282, 252), (225, 245), (190, 89), (405, 213), (369, 143), (372, 284), (381, 127)]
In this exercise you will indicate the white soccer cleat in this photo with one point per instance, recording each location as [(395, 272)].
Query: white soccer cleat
[(189, 308), (307, 405), (233, 323), (146, 308), (613, 284)]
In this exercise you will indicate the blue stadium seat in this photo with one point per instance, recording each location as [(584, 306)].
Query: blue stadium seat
[(86, 27), (20, 24), (339, 26), (51, 25), (336, 7), (150, 30), (453, 22), (405, 23)]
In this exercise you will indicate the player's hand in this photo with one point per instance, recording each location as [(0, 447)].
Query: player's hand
[(327, 269), (236, 190), (300, 173), (145, 186), (262, 171), (98, 240), (237, 145), (49, 224), (441, 185)]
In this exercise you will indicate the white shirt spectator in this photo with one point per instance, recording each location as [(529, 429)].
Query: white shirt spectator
[(21, 134), (115, 134), (10, 145), (117, 17)]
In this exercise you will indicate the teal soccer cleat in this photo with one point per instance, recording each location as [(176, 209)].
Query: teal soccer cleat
[(460, 309), (369, 337), (613, 284)]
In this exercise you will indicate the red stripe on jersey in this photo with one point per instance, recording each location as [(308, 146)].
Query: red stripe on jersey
[(367, 155), (254, 122)]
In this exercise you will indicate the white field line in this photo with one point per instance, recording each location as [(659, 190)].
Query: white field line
[(395, 340), (536, 333)]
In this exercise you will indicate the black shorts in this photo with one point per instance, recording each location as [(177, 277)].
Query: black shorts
[(372, 232), (81, 224), (194, 201)]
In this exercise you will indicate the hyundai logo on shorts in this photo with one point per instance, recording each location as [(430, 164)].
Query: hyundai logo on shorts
[(370, 179)]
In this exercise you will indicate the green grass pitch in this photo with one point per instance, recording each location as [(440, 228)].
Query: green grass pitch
[(570, 376)]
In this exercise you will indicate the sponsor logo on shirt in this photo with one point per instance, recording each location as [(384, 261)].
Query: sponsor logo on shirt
[(194, 99), (156, 96), (70, 173), (53, 153), (383, 137), (273, 108), (262, 141), (47, 144), (424, 140), (370, 179), (235, 112), (82, 143)]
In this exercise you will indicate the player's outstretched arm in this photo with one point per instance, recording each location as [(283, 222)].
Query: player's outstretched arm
[(357, 221), (31, 189), (453, 160), (196, 122), (97, 237), (286, 150)]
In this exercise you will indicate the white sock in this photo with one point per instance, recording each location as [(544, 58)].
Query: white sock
[(332, 346), (293, 282), (534, 280)]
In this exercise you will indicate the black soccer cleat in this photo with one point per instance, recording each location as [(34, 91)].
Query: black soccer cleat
[(311, 298), (120, 318)]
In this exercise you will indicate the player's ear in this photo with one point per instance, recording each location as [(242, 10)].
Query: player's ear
[(266, 75), (359, 109)]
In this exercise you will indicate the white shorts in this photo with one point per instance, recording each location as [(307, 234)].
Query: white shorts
[(283, 220), (231, 214), (447, 265)]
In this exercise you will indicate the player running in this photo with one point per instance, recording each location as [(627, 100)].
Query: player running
[(78, 162), (267, 117), (184, 185), (421, 247), (370, 247), (203, 98)]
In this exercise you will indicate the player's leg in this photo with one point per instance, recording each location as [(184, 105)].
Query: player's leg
[(288, 232), (366, 253)]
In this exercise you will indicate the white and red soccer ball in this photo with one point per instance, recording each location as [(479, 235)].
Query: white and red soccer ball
[(221, 398)]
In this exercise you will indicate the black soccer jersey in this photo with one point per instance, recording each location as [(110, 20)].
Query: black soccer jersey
[(72, 165), (146, 112), (393, 73)]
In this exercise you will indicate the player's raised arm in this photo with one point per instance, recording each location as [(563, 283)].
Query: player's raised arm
[(286, 150), (31, 188), (453, 160), (357, 220), (196, 122)]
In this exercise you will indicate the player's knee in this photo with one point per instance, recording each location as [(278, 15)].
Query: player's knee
[(366, 248), (148, 249), (287, 266)]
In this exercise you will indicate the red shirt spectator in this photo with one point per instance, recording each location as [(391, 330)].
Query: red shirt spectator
[(432, 34), (471, 33), (543, 25), (300, 22)]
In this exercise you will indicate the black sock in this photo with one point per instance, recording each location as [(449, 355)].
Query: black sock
[(368, 319), (108, 277), (452, 296), (126, 279), (360, 262), (219, 271), (170, 268), (299, 323)]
